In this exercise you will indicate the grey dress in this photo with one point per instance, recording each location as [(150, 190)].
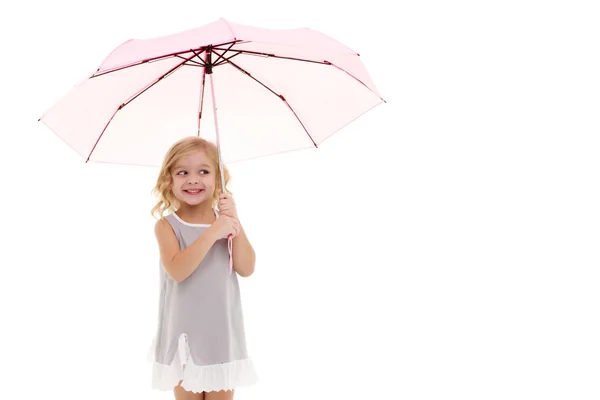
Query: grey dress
[(200, 337)]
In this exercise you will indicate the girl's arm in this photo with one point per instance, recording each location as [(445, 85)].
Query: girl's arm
[(179, 264), (244, 257)]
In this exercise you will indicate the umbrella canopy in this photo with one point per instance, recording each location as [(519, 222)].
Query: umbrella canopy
[(274, 91)]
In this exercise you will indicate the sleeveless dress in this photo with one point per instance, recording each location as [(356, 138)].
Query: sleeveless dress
[(200, 338)]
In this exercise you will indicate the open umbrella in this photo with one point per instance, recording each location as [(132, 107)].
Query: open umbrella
[(274, 90)]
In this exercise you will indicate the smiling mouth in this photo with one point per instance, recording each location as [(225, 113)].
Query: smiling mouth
[(194, 191)]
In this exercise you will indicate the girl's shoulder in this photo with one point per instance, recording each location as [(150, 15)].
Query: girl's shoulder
[(164, 223)]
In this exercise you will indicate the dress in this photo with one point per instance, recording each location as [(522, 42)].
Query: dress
[(200, 337)]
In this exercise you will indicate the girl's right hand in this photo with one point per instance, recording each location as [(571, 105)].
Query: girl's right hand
[(225, 226)]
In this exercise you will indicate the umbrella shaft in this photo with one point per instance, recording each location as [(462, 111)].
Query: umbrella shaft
[(212, 92)]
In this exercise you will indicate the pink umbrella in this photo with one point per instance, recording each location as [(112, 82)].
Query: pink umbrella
[(277, 91)]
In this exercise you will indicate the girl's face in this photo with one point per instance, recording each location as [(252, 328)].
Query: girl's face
[(194, 179)]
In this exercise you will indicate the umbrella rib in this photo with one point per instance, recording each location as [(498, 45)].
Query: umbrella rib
[(358, 80), (102, 133), (278, 95), (96, 75), (202, 62), (160, 78), (193, 63), (298, 118), (221, 55), (258, 53), (157, 58), (133, 98), (224, 61)]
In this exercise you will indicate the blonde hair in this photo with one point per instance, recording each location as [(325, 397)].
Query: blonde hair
[(167, 202)]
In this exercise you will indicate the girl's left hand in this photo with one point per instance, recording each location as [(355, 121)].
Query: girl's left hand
[(227, 205)]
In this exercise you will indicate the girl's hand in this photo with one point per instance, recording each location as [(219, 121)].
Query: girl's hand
[(227, 205), (225, 226)]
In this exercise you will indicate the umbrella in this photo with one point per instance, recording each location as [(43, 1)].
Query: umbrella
[(271, 91)]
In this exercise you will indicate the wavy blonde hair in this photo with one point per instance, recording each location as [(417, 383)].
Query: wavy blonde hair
[(167, 202)]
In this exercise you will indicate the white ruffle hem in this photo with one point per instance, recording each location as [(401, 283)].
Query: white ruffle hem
[(199, 378)]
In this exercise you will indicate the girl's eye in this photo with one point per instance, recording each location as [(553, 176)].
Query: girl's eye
[(205, 172), (180, 172)]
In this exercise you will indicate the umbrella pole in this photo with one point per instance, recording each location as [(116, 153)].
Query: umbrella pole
[(212, 92)]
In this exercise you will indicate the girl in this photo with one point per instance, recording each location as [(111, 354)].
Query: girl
[(199, 349)]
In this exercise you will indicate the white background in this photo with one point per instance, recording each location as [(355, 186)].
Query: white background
[(443, 246)]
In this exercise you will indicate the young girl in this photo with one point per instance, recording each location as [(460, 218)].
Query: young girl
[(199, 350)]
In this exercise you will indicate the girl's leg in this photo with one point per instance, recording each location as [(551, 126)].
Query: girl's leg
[(182, 394), (221, 395)]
